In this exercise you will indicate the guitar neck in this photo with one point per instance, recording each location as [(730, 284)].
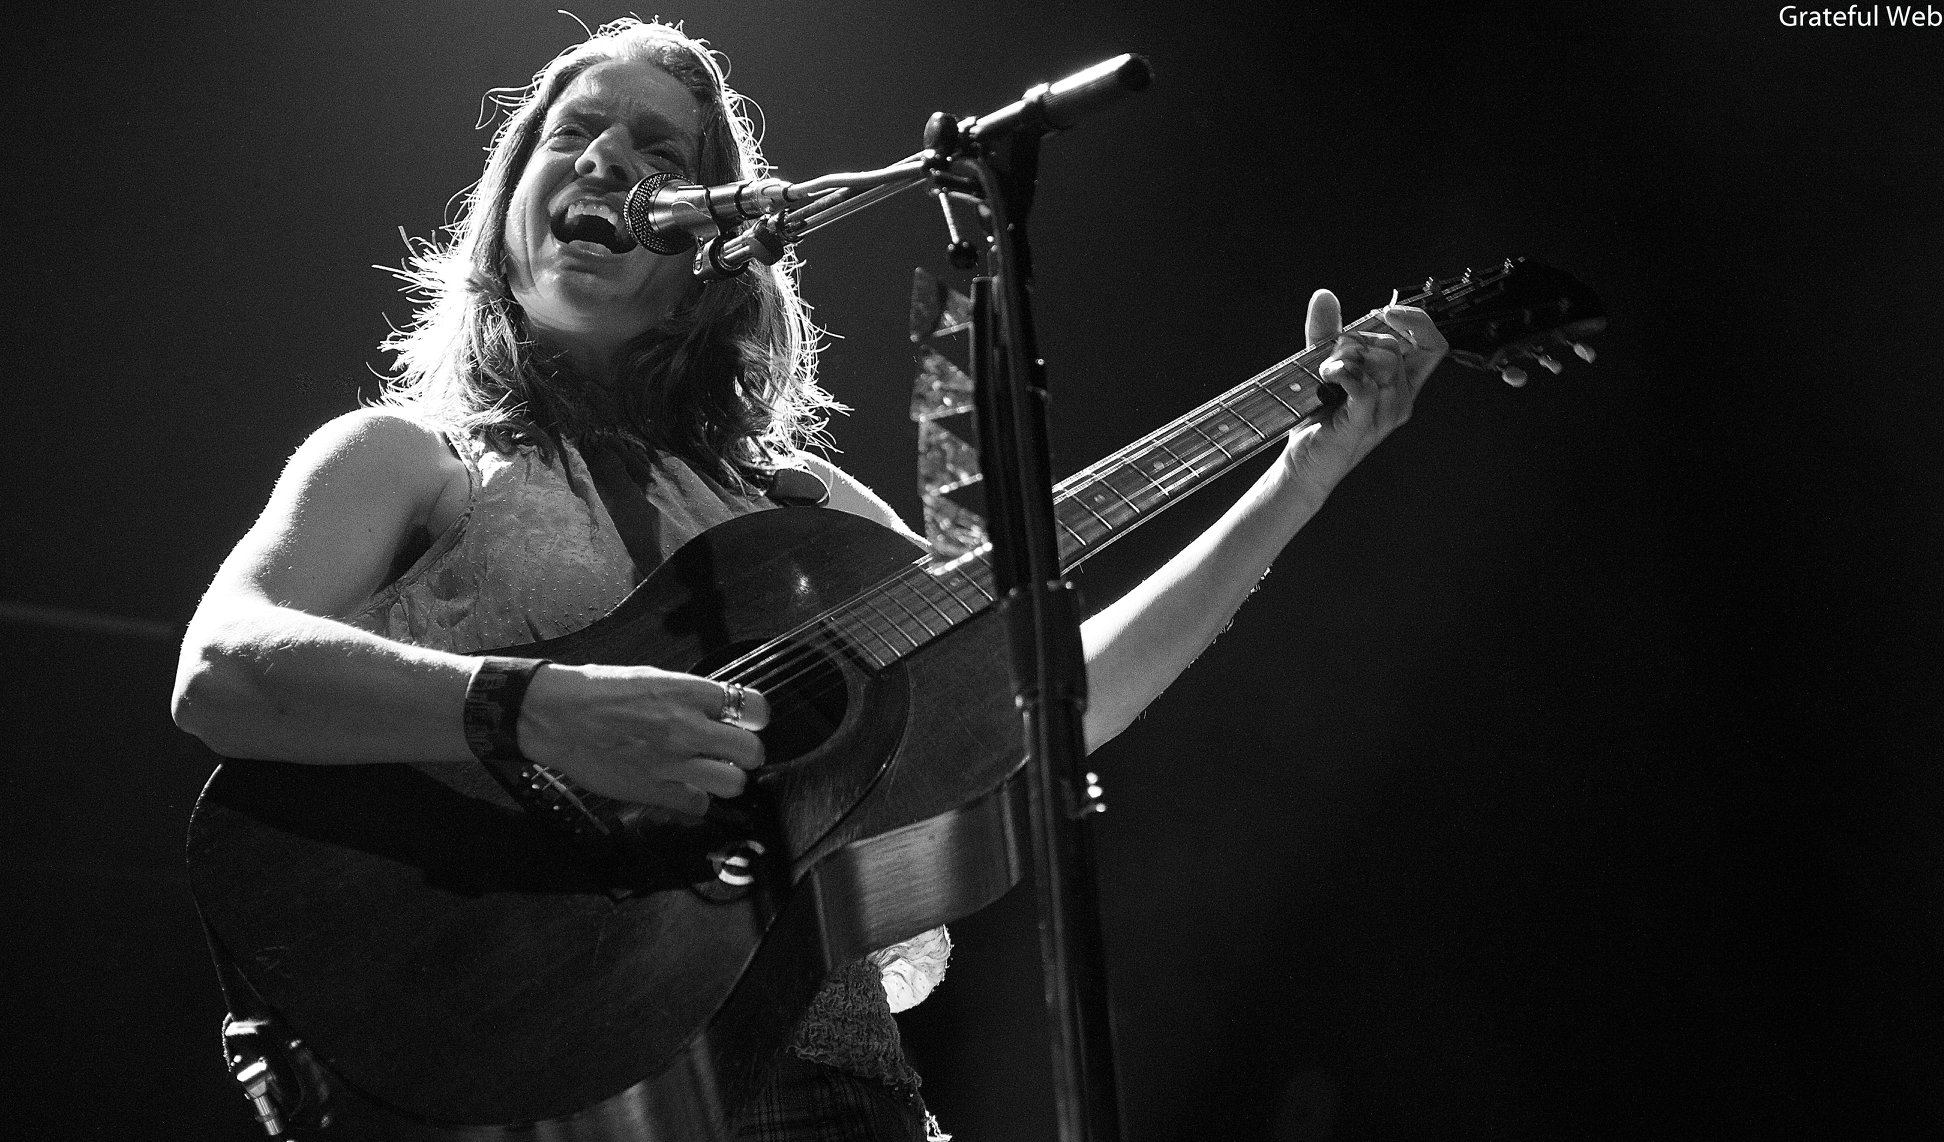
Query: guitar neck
[(1097, 505), (1111, 497)]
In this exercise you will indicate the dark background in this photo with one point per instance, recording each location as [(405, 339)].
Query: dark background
[(1574, 774)]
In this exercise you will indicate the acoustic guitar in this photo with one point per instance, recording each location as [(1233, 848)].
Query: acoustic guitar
[(464, 967)]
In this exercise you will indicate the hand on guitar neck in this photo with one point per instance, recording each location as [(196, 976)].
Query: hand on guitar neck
[(1380, 370)]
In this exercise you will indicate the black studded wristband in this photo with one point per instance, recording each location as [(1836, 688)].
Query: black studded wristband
[(492, 710), (492, 721)]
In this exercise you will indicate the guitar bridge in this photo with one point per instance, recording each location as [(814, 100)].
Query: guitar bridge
[(547, 795)]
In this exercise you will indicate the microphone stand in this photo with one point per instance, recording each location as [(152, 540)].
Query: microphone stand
[(1049, 671), (1040, 606), (831, 197)]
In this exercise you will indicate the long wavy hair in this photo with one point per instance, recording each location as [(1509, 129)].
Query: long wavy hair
[(728, 382)]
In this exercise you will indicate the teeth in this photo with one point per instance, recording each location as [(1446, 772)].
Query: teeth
[(598, 209), (595, 221)]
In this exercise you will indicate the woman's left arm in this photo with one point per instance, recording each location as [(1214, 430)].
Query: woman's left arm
[(1145, 639)]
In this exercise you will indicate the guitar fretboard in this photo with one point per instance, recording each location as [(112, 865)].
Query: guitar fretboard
[(1095, 506)]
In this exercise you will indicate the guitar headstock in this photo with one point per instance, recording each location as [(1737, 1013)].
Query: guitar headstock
[(1519, 309)]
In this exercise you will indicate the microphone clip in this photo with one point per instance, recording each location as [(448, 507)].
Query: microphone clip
[(763, 243)]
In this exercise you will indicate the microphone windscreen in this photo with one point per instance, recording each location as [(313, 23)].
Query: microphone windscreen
[(639, 215)]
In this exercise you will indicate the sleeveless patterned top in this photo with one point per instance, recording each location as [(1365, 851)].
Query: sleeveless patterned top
[(535, 555)]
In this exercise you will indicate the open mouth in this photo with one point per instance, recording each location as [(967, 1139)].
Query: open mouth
[(591, 223)]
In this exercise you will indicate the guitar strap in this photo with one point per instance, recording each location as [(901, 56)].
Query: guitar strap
[(794, 487)]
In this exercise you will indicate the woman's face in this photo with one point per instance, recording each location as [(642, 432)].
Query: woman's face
[(584, 283)]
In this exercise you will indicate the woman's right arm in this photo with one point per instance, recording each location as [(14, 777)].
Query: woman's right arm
[(267, 670)]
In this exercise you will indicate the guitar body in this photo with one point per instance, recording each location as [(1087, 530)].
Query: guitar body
[(458, 963)]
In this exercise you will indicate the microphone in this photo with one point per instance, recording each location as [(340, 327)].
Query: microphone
[(668, 215)]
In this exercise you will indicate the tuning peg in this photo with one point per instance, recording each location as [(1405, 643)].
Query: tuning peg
[(1514, 376), (1547, 363), (1580, 348)]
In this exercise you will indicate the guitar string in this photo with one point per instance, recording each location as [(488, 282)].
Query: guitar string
[(784, 658), (787, 658), (763, 666), (1119, 456), (791, 656)]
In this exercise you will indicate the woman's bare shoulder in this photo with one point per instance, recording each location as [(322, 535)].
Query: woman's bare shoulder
[(848, 493)]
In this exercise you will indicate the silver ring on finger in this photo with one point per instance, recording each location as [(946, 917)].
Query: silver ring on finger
[(733, 697)]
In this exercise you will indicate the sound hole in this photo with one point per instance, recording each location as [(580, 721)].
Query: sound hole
[(807, 693)]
